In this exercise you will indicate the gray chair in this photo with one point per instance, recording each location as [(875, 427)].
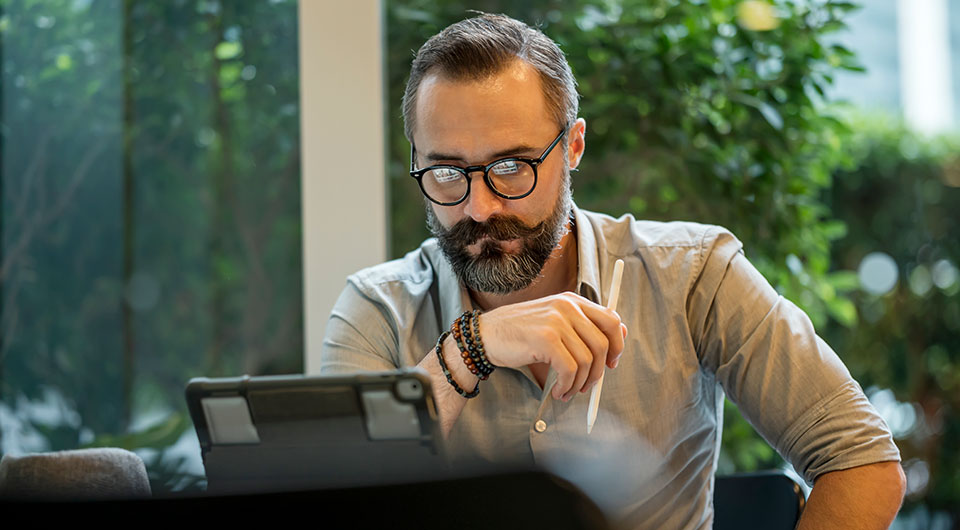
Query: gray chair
[(82, 474), (763, 500)]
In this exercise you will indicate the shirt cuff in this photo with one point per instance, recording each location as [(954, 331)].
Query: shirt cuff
[(841, 431)]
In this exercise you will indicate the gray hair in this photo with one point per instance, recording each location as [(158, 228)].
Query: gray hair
[(479, 47)]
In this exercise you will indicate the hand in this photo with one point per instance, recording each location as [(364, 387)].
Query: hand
[(575, 336)]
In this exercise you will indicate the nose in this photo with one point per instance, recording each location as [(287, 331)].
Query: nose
[(482, 203)]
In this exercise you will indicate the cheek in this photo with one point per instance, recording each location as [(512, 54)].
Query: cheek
[(447, 215), (547, 192)]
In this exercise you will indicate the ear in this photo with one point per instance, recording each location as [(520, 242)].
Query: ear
[(576, 142)]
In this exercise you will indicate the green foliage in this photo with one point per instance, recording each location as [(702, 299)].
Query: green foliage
[(150, 207), (61, 130), (692, 116), (902, 198), (159, 436), (743, 449), (689, 116), (165, 472)]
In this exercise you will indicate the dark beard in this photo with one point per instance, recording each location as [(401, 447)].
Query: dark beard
[(493, 270)]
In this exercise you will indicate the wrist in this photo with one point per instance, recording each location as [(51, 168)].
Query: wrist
[(459, 371), (466, 332), (491, 339), (452, 370)]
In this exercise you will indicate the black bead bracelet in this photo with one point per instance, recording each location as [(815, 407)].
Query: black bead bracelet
[(478, 363), (485, 365), (446, 371)]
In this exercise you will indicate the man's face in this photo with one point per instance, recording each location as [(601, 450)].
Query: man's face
[(495, 245)]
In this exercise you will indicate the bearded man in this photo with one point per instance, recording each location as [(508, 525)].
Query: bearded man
[(503, 310)]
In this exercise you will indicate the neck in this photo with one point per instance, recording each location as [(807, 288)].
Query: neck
[(559, 274)]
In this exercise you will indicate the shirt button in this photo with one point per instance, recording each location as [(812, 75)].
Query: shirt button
[(540, 426)]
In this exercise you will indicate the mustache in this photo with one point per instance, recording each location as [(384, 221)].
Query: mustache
[(501, 228)]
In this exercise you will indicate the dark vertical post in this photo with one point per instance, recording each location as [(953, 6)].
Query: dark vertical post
[(129, 228), (3, 308), (221, 198)]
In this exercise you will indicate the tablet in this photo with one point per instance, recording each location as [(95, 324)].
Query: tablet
[(284, 433)]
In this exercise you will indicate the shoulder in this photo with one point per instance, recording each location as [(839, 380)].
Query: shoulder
[(412, 275), (626, 235)]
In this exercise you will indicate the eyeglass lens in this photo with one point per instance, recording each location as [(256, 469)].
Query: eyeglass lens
[(511, 178)]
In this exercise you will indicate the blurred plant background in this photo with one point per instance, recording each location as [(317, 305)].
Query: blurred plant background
[(150, 199), (150, 217), (729, 112)]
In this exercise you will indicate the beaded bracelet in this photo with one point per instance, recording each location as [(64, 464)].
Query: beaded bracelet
[(474, 349), (472, 353), (485, 365), (458, 335), (446, 371)]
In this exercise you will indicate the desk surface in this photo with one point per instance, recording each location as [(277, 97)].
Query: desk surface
[(508, 500)]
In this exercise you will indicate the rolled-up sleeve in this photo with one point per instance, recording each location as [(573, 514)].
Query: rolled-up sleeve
[(786, 381)]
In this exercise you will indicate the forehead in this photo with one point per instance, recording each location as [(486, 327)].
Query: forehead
[(473, 116)]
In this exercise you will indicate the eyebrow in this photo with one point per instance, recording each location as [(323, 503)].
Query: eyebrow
[(518, 150)]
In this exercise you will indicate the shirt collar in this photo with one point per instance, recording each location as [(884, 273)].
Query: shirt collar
[(447, 282), (588, 269)]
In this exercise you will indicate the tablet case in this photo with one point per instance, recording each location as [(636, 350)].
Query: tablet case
[(285, 433)]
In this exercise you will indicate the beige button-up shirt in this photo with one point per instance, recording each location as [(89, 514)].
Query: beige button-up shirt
[(702, 321)]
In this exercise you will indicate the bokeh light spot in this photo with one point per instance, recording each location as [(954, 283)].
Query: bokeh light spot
[(918, 476), (878, 273), (757, 16), (143, 291), (920, 280), (900, 417), (944, 274)]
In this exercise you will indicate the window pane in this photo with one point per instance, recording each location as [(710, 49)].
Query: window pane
[(150, 216)]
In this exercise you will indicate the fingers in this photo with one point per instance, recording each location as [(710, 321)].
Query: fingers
[(613, 361), (598, 345), (577, 337), (584, 362), (566, 367), (595, 338), (611, 328)]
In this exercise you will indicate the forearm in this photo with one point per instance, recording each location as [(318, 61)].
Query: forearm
[(449, 403), (864, 497), (573, 335)]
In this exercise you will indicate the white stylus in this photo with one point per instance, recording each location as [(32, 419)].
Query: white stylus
[(612, 305)]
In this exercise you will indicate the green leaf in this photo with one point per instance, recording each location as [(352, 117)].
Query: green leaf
[(769, 113), (229, 73), (844, 281), (844, 5), (843, 311), (159, 436), (227, 50), (64, 61), (833, 230), (412, 15)]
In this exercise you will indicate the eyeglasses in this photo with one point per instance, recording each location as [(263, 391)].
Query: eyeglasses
[(510, 178)]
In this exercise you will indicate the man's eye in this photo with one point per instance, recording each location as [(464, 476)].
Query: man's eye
[(505, 169)]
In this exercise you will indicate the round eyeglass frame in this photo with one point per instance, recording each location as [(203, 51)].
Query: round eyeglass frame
[(466, 171)]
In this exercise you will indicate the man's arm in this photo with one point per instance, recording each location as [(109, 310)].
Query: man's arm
[(795, 391), (448, 402), (573, 335), (864, 497)]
